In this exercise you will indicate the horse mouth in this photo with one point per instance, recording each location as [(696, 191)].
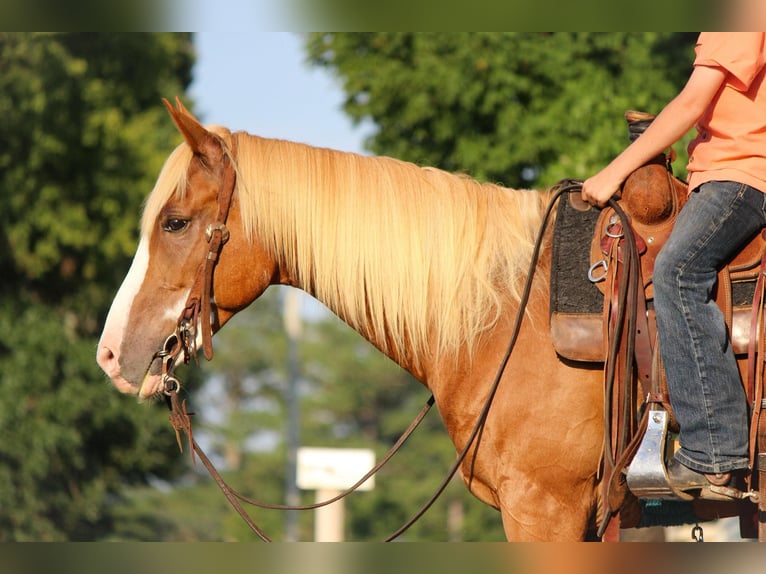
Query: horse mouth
[(153, 382), (150, 387), (124, 386)]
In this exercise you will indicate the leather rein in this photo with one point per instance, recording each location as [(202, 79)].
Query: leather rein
[(198, 304)]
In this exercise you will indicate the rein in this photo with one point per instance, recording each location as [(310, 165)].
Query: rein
[(184, 340)]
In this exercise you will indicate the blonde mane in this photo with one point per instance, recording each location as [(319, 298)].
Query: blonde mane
[(418, 258)]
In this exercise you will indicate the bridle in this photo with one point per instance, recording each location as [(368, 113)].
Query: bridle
[(198, 302), (183, 340)]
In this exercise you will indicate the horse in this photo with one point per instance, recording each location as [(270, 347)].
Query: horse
[(429, 266)]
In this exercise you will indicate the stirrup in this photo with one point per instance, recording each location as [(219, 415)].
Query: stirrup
[(647, 476)]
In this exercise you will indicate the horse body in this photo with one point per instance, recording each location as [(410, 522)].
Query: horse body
[(441, 303), (543, 437)]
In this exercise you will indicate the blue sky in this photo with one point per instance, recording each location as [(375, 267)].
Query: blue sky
[(259, 82)]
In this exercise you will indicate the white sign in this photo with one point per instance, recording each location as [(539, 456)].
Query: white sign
[(334, 468)]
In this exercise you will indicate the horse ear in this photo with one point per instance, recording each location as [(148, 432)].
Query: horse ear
[(200, 140)]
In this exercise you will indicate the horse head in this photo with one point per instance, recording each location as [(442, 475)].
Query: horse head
[(180, 213)]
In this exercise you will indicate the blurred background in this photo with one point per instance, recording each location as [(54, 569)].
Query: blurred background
[(83, 135)]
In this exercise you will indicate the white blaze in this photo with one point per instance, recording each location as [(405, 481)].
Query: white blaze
[(112, 338), (118, 313)]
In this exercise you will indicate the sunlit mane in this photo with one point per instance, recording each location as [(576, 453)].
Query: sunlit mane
[(416, 257)]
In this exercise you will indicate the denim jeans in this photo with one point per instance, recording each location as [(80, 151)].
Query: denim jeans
[(704, 383)]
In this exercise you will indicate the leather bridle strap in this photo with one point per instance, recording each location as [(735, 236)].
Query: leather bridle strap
[(181, 421), (198, 303)]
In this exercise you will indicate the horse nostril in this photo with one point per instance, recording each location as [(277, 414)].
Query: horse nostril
[(107, 360)]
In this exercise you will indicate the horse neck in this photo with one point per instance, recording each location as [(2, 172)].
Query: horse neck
[(383, 344), (359, 234)]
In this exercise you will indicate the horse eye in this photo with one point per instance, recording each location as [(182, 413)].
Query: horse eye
[(175, 225)]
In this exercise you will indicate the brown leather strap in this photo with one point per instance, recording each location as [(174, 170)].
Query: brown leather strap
[(756, 319), (625, 310), (644, 350), (197, 311), (629, 345), (755, 368), (217, 235), (181, 421)]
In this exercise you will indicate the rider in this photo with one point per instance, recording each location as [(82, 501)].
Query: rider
[(727, 175)]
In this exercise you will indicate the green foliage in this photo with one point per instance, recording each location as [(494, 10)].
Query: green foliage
[(83, 136), (69, 440), (520, 108), (539, 15)]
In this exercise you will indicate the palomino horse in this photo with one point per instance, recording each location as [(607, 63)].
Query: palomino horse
[(427, 265)]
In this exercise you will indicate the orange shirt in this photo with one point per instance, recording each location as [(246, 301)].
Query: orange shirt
[(731, 140)]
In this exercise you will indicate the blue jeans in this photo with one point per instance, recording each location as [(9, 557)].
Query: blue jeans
[(704, 383)]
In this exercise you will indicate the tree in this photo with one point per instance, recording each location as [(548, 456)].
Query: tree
[(83, 137), (519, 108)]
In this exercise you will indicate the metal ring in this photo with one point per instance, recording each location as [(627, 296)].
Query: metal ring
[(170, 343), (609, 233), (172, 385), (213, 227), (603, 265)]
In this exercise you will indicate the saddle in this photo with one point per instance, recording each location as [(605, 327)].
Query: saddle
[(652, 198), (592, 326)]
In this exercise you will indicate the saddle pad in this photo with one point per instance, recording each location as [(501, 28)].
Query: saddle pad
[(571, 290)]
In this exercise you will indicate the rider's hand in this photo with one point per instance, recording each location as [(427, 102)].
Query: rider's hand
[(597, 190)]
